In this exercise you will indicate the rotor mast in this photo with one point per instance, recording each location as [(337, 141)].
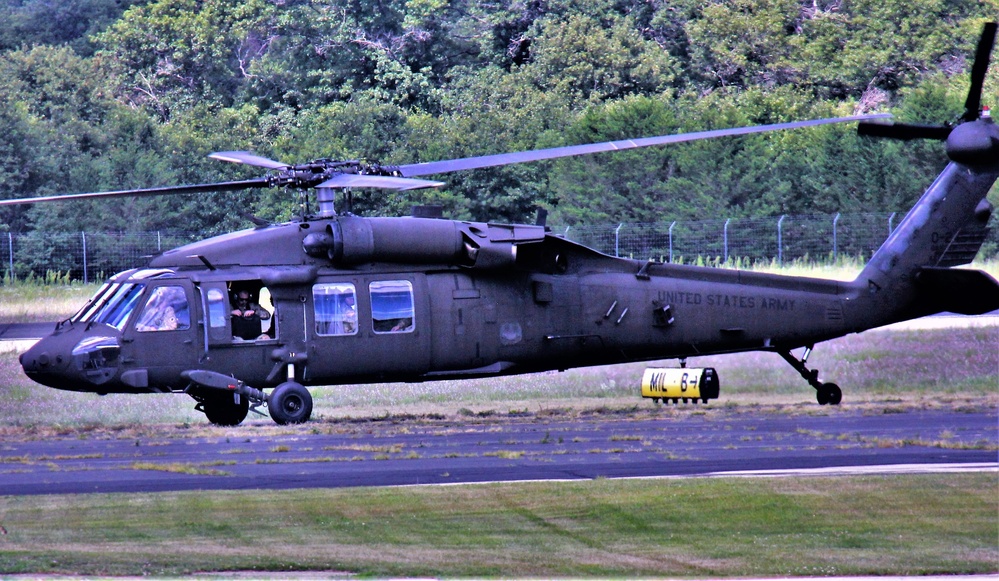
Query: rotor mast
[(325, 198)]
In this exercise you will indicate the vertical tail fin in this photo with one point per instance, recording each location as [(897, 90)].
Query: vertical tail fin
[(947, 226)]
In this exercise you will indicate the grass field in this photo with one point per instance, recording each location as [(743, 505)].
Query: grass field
[(891, 525), (915, 525)]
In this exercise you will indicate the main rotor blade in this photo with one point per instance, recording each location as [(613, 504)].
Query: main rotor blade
[(347, 180), (245, 157), (973, 104), (421, 169), (903, 131), (216, 187)]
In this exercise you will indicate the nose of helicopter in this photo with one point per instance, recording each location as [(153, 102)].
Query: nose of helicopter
[(45, 363), (71, 360)]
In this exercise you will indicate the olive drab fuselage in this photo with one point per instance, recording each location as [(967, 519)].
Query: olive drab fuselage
[(511, 300)]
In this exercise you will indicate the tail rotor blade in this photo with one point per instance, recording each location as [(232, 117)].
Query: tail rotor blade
[(973, 105)]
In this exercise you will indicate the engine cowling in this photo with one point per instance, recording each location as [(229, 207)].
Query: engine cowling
[(353, 240)]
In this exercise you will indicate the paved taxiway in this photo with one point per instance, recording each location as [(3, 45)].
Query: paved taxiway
[(662, 442), (668, 442)]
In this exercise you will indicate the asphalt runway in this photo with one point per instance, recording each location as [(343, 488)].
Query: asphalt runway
[(685, 441), (23, 331)]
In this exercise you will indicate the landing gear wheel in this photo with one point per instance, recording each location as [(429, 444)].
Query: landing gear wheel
[(290, 403), (829, 394), (825, 393), (224, 411)]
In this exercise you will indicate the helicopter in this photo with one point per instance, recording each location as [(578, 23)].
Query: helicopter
[(254, 318)]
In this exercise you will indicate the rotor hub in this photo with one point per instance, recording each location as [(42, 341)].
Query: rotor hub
[(975, 143)]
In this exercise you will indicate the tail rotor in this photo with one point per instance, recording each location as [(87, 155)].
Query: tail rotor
[(972, 105)]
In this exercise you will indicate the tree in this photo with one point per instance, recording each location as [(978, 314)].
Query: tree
[(171, 54), (744, 43), (589, 61), (625, 186), (402, 81), (881, 46), (487, 112), (70, 23)]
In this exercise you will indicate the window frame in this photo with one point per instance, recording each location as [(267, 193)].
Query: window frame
[(377, 291), (148, 322), (339, 316)]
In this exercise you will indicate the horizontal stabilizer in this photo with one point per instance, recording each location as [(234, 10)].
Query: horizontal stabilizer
[(966, 292)]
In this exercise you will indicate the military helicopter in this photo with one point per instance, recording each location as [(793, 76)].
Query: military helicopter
[(357, 299)]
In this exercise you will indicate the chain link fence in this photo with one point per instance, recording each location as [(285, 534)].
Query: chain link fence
[(93, 256), (82, 256), (787, 238)]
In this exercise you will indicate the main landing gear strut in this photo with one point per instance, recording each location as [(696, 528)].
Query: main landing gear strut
[(226, 400), (825, 393)]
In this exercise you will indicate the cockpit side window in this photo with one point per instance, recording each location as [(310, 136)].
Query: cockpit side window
[(392, 306), (166, 310)]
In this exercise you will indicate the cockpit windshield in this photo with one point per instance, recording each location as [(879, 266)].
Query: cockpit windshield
[(95, 302), (119, 306), (115, 301)]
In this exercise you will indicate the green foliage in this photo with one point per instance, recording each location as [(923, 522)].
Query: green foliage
[(67, 22), (103, 94), (587, 60)]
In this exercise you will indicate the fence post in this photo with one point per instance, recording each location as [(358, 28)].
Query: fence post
[(835, 242), (671, 241), (84, 236), (617, 240), (726, 239), (780, 242), (10, 241)]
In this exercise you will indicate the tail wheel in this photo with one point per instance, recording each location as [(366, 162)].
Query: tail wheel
[(224, 411), (290, 403)]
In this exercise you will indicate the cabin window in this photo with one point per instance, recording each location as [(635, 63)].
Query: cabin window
[(392, 306), (336, 309), (166, 310)]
